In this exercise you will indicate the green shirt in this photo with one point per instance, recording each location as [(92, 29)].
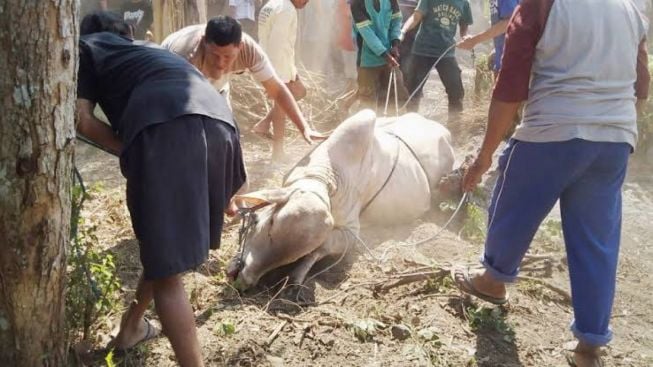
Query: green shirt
[(440, 19)]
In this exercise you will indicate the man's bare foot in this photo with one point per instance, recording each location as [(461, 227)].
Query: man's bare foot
[(263, 127), (278, 156), (480, 285)]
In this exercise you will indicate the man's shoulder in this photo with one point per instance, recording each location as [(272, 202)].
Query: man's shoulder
[(275, 5), (191, 29), (184, 39), (249, 42), (106, 38), (251, 48)]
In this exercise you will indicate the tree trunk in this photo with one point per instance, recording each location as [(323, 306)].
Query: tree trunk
[(172, 15), (37, 99)]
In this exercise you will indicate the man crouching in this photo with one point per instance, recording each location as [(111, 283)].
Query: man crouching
[(180, 153)]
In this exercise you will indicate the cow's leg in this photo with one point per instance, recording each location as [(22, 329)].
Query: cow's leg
[(338, 242)]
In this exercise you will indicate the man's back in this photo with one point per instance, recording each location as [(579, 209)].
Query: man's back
[(137, 85), (583, 72)]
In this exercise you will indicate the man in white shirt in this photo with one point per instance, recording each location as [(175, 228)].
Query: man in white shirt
[(277, 35), (220, 49)]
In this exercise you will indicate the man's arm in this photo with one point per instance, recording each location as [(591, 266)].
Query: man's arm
[(395, 27), (466, 19), (464, 27), (363, 25), (412, 22), (497, 29), (95, 130), (148, 17), (280, 93), (643, 78), (512, 84)]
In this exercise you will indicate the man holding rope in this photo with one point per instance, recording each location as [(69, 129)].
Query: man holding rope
[(500, 14), (435, 46), (377, 29), (578, 130)]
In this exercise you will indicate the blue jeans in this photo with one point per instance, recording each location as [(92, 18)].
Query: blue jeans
[(587, 178)]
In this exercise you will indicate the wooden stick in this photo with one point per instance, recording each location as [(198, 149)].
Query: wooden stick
[(409, 278), (275, 333)]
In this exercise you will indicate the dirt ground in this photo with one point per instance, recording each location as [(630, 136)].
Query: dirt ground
[(356, 314)]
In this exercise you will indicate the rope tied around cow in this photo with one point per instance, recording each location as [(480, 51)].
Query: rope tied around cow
[(248, 220)]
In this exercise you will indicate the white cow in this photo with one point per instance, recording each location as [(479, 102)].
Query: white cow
[(370, 171)]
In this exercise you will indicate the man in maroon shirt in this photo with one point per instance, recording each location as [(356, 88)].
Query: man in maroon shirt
[(581, 86)]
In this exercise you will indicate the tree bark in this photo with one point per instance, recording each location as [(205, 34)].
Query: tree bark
[(37, 96)]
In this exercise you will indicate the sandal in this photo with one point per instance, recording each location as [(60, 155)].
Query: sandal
[(151, 333), (467, 286), (582, 357)]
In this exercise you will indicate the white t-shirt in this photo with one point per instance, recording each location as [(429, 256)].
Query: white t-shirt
[(277, 33), (245, 9), (644, 7)]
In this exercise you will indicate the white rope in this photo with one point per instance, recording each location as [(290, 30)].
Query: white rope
[(394, 79), (387, 96), (382, 258)]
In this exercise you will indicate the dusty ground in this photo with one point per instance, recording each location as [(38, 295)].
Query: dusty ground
[(351, 317)]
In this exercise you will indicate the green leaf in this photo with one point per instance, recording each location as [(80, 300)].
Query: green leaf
[(109, 359), (226, 328)]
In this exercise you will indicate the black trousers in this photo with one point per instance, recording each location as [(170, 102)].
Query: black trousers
[(180, 176), (419, 67)]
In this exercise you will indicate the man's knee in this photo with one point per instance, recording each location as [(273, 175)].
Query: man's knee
[(167, 283)]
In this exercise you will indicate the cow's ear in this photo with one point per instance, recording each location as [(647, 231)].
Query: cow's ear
[(263, 198)]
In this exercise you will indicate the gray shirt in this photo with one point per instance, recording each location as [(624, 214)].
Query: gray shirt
[(584, 68)]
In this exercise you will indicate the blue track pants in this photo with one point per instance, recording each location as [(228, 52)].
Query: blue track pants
[(587, 178)]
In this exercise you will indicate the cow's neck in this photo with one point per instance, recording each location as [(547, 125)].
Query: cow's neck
[(317, 186)]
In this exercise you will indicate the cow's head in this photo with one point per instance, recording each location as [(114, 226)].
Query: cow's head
[(282, 226)]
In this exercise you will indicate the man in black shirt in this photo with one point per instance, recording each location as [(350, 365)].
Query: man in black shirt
[(180, 153), (140, 16)]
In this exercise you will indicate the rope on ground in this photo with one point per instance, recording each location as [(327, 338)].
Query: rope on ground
[(382, 258)]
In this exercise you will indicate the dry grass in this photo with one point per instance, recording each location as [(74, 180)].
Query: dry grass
[(321, 327)]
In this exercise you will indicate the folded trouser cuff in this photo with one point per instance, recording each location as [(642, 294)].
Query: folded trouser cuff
[(595, 340), (497, 274)]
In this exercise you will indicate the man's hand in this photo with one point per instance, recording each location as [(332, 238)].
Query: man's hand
[(475, 173), (392, 61), (311, 135), (394, 51), (467, 43)]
